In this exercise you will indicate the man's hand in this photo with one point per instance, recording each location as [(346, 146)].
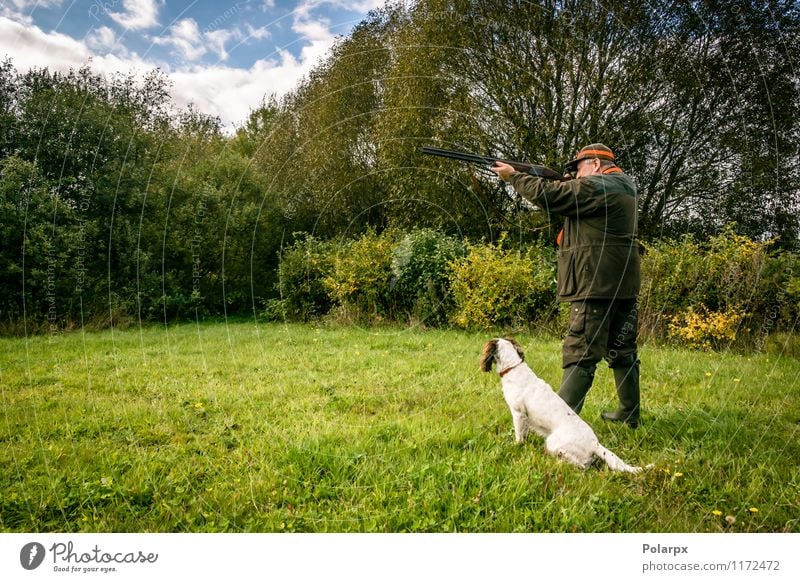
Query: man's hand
[(502, 170)]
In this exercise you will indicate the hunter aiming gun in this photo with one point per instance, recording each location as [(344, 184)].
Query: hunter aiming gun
[(532, 169)]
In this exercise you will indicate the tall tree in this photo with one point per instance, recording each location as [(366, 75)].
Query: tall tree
[(699, 98)]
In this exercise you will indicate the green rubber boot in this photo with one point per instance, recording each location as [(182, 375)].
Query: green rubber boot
[(627, 381), (576, 383)]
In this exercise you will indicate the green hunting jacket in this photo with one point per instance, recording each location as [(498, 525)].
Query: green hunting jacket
[(598, 257)]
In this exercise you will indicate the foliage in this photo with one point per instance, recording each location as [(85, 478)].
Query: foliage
[(729, 275), (303, 267), (653, 82), (705, 329), (115, 207), (493, 286), (38, 270), (358, 281), (420, 274), (728, 292)]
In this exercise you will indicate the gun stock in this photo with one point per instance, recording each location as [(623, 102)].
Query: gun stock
[(532, 169)]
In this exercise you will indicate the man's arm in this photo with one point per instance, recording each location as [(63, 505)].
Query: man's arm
[(563, 198)]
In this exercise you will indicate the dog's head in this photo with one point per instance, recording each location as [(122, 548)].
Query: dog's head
[(494, 351)]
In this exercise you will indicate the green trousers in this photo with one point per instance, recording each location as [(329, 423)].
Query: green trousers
[(601, 329)]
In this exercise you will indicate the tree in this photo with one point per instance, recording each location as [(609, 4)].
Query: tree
[(698, 98)]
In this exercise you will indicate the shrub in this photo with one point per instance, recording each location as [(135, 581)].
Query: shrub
[(359, 276), (420, 274), (494, 286), (301, 272), (685, 281), (705, 329)]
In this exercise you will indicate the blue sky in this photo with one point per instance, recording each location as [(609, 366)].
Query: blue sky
[(222, 56)]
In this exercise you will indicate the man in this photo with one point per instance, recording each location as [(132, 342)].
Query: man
[(598, 272)]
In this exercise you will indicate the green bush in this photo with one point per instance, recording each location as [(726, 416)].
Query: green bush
[(493, 286), (301, 272), (359, 277), (420, 274), (728, 290)]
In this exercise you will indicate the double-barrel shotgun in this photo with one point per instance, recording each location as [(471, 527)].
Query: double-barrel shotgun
[(532, 169)]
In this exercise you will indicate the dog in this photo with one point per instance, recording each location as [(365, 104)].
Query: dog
[(534, 406)]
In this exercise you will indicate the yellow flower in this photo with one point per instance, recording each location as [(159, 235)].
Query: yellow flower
[(716, 512), (199, 405), (753, 510), (737, 379), (708, 374), (678, 474)]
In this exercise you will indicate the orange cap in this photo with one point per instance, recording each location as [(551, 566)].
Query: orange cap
[(591, 151)]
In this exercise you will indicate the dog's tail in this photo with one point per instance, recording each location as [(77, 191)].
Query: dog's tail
[(614, 462)]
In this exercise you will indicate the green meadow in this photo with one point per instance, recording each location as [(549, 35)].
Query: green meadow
[(246, 427)]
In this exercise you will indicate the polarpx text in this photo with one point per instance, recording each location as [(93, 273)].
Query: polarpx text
[(659, 549)]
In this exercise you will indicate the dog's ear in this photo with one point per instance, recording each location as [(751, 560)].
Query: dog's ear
[(517, 347), (487, 358)]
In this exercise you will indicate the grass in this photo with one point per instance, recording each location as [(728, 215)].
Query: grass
[(269, 428)]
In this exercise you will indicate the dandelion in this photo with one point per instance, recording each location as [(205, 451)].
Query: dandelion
[(678, 474), (716, 512), (708, 374), (198, 405), (753, 510), (737, 379), (730, 520)]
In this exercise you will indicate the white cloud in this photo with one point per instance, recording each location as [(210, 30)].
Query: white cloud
[(255, 33), (191, 43), (29, 46), (314, 30), (231, 93), (102, 38), (305, 7), (318, 29), (216, 41), (185, 37), (219, 90), (21, 10), (10, 13), (137, 14)]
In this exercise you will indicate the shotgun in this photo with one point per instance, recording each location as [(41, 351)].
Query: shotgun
[(532, 169)]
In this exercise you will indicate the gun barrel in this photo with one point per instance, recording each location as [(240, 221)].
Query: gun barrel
[(540, 171), (464, 157)]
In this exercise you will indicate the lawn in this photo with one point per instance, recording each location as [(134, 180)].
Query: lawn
[(268, 427)]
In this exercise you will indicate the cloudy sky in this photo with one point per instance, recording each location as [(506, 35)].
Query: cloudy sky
[(222, 55)]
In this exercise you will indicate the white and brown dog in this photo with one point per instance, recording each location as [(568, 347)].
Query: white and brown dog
[(534, 406)]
